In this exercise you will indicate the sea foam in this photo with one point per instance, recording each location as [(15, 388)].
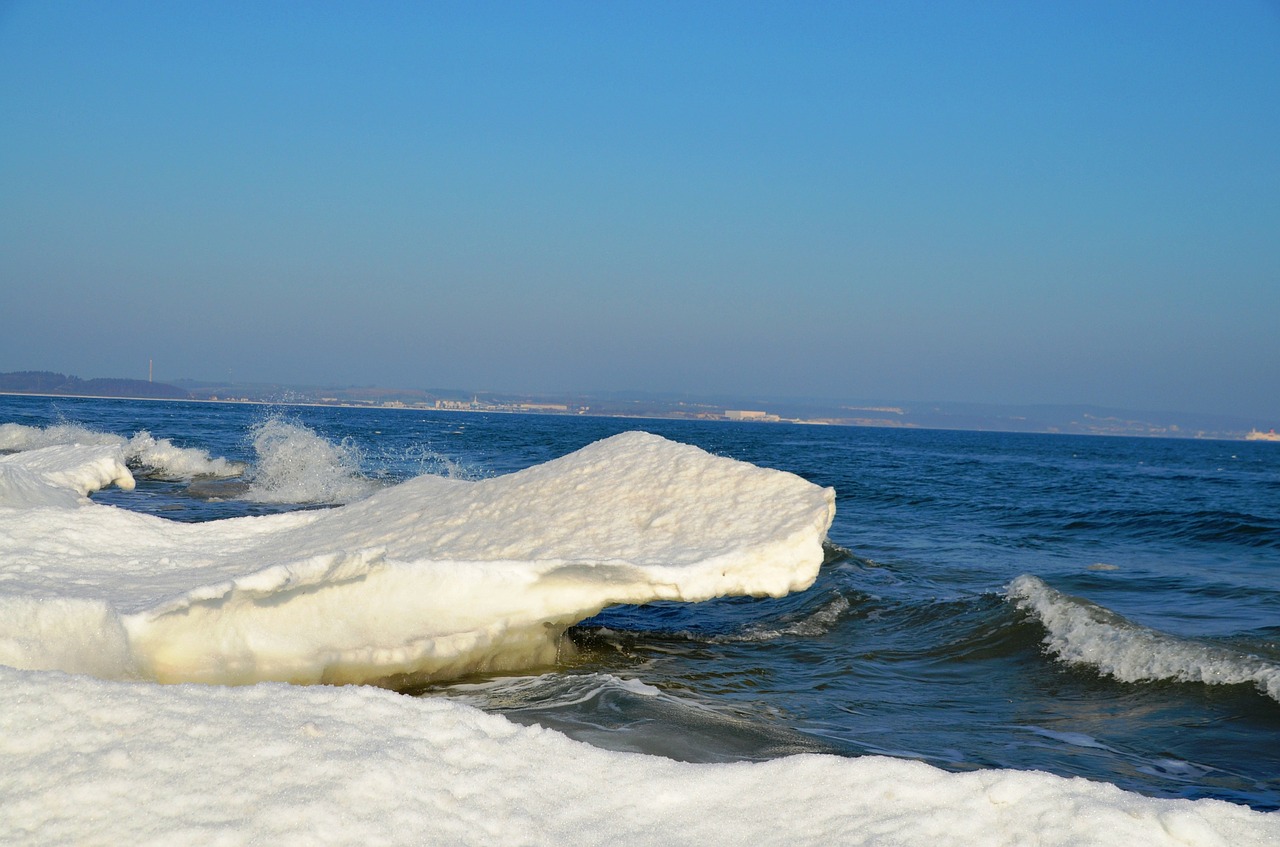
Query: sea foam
[(428, 579), (1084, 633)]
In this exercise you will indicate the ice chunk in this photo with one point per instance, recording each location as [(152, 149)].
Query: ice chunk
[(156, 456), (434, 577), (60, 475)]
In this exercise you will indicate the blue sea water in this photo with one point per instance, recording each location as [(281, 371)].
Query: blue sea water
[(921, 637)]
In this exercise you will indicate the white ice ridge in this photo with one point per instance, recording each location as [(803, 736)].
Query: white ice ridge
[(92, 762), (1080, 632), (158, 456), (60, 475), (434, 577)]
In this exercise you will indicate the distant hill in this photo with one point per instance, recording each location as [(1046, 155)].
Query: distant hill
[(48, 382)]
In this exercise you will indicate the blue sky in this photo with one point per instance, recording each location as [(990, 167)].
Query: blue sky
[(1010, 202)]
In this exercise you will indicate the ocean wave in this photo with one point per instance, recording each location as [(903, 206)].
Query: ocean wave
[(1084, 633), (809, 624), (161, 458), (1205, 526), (731, 620), (627, 715)]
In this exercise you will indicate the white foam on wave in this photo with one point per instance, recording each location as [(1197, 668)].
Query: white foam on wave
[(297, 465), (434, 577), (91, 762), (160, 457), (1084, 633), (157, 457)]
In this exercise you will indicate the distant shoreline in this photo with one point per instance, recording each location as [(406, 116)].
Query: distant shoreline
[(944, 419)]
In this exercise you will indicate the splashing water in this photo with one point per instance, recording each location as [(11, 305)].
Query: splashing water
[(297, 465)]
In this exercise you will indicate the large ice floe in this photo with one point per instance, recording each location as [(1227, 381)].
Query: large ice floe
[(434, 577), (430, 578)]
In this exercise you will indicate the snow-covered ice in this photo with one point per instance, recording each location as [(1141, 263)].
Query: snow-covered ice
[(92, 762), (434, 577)]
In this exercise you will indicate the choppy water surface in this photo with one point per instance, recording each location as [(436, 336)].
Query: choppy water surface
[(1143, 649)]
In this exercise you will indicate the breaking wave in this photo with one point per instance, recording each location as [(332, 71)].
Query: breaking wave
[(1084, 633)]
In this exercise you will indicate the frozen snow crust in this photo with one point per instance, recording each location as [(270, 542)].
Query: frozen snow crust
[(90, 762), (431, 578)]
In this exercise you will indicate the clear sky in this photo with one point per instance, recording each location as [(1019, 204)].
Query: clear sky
[(1012, 202)]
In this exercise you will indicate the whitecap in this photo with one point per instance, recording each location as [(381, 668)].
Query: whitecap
[(1084, 633), (163, 459)]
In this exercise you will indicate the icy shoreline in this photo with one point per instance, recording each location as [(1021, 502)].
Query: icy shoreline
[(91, 595), (92, 762)]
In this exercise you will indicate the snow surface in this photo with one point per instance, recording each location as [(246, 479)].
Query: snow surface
[(90, 762)]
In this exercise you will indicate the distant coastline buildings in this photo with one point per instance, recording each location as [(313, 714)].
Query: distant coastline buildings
[(750, 415)]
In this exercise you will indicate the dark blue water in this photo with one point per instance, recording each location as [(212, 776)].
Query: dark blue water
[(908, 644)]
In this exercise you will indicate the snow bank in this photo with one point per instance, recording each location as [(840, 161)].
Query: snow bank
[(90, 762), (432, 578)]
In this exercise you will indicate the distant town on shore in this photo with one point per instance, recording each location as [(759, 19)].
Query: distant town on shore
[(1065, 419)]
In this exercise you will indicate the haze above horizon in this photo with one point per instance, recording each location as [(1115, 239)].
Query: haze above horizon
[(983, 202)]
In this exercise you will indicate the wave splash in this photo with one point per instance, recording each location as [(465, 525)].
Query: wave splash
[(297, 465), (429, 579), (1084, 633)]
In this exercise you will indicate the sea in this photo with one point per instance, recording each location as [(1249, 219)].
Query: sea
[(1089, 606)]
